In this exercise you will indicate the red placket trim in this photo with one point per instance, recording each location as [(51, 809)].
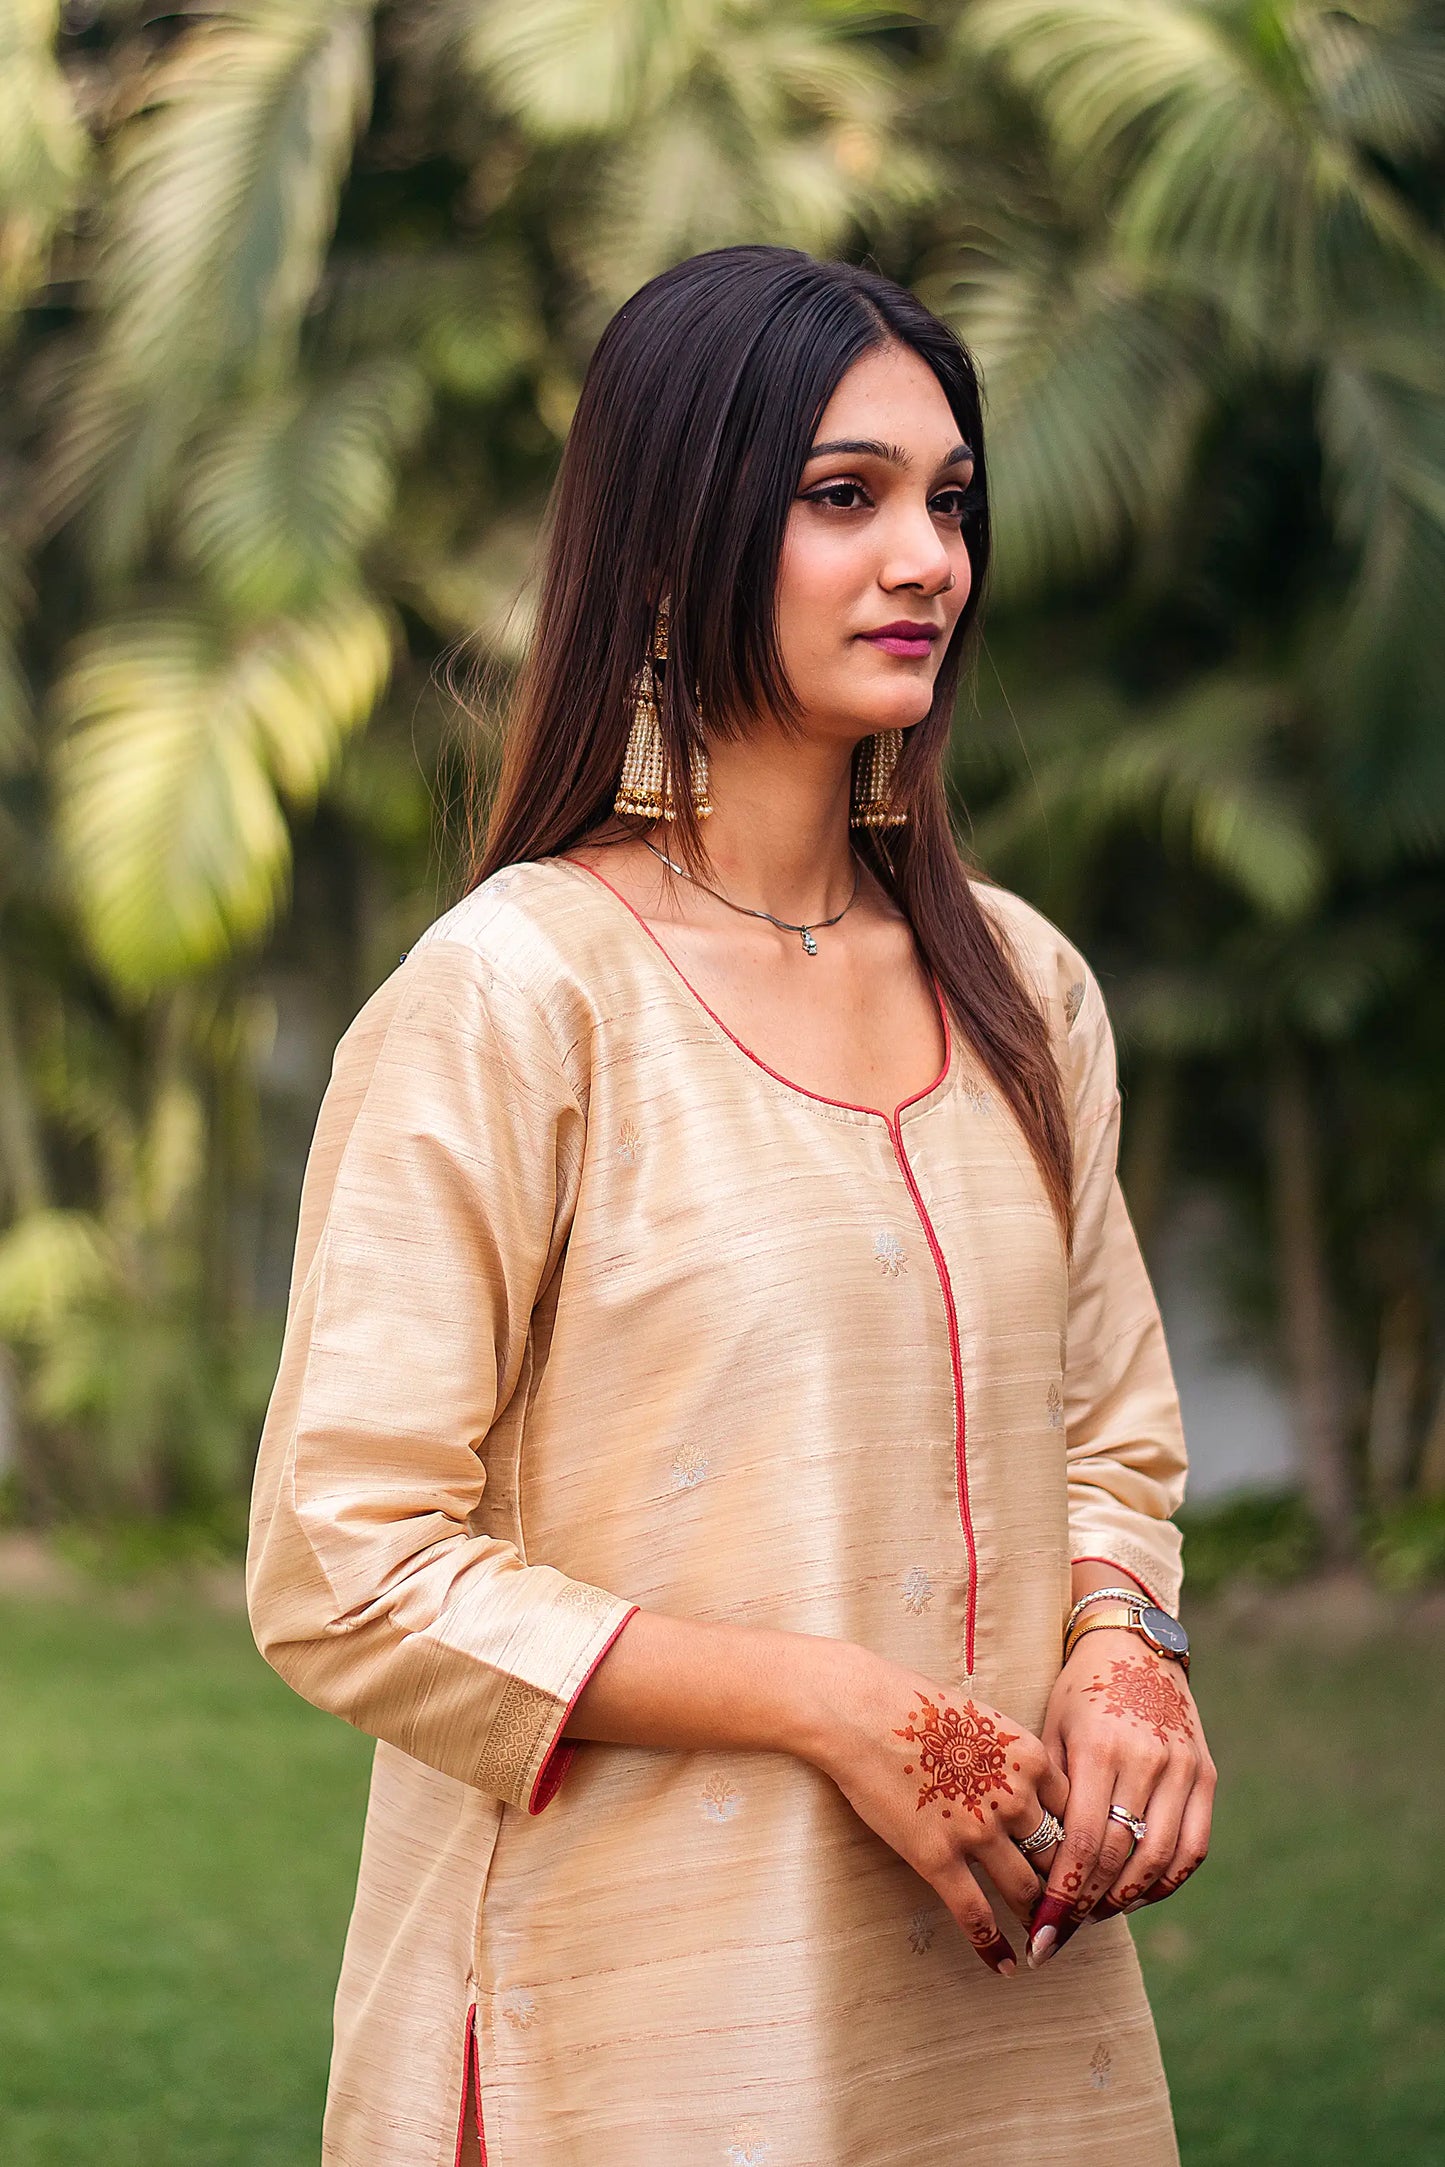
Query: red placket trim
[(960, 1418), (893, 1123)]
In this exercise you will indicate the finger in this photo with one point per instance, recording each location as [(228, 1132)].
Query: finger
[(1042, 1863), (1022, 1823), (1193, 1846), (1044, 1788), (1135, 1784), (1012, 1875), (1053, 1787), (1114, 1853), (1163, 1817), (1085, 1822), (974, 1915)]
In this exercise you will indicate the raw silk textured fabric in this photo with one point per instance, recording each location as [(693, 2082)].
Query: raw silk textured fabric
[(592, 1310)]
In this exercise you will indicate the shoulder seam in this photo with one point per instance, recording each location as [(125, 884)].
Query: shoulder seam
[(487, 964)]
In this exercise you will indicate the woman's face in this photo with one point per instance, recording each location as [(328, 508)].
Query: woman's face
[(873, 544)]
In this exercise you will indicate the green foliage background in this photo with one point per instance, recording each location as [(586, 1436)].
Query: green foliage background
[(295, 299)]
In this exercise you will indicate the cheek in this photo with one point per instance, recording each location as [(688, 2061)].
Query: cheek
[(820, 578)]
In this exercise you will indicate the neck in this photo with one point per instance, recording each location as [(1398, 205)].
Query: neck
[(778, 837)]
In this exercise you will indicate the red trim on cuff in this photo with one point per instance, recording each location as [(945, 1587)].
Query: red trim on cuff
[(1115, 1567), (561, 1754)]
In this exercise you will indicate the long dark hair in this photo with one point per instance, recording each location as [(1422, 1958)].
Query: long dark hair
[(695, 420)]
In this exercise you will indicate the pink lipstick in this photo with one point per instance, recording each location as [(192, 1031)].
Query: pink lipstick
[(914, 642)]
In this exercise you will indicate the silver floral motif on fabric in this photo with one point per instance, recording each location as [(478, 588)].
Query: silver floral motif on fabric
[(917, 1590), (921, 1929), (689, 1465)]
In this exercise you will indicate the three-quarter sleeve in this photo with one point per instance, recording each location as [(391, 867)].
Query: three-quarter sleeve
[(437, 1199), (1124, 1436)]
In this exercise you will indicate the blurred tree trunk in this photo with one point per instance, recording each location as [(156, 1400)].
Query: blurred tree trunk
[(1310, 1324), (1394, 1393), (1431, 1479), (1147, 1146)]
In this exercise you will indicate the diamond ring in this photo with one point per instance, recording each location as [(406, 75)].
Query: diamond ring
[(1137, 1829)]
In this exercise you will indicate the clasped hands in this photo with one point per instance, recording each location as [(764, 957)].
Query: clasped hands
[(961, 1784)]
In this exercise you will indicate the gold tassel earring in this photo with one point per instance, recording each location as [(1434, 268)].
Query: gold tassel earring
[(873, 778), (645, 788)]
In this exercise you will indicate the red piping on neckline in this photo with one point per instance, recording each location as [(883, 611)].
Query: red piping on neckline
[(562, 1753), (471, 2087), (846, 1105), (940, 1265), (1129, 1574)]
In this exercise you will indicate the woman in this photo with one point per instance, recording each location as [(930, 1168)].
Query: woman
[(720, 1361)]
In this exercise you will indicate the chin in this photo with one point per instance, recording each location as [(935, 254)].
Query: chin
[(903, 707), (903, 715)]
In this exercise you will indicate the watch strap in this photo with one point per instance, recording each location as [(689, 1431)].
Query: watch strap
[(1119, 1617), (1101, 1617)]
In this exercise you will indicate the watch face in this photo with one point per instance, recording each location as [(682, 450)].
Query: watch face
[(1166, 1632)]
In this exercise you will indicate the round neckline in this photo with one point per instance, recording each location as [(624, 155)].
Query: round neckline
[(814, 1098)]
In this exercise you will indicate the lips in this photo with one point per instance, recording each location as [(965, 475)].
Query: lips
[(913, 641)]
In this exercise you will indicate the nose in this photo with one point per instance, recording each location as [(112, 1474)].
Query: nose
[(919, 556)]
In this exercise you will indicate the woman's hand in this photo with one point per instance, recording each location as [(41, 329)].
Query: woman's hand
[(949, 1783), (1123, 1723)]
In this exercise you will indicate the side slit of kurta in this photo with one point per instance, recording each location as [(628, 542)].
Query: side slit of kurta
[(471, 2091)]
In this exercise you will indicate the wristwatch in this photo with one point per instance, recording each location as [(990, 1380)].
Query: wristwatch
[(1165, 1635)]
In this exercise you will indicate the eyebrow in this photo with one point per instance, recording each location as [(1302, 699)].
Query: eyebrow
[(870, 447)]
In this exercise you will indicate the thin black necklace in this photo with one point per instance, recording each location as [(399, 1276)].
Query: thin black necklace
[(810, 946)]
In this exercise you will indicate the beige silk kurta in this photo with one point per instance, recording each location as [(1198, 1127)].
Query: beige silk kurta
[(590, 1310)]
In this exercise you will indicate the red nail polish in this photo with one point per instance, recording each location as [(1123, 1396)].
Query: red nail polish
[(1050, 1911)]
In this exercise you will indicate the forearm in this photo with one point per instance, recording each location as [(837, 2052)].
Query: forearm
[(1091, 1573), (679, 1684)]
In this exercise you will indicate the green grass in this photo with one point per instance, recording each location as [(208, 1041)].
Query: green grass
[(1299, 1983), (178, 1842), (178, 1839)]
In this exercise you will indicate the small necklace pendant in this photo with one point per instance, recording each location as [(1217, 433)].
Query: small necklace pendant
[(810, 946)]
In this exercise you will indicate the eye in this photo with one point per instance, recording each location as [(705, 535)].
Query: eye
[(841, 496), (959, 503)]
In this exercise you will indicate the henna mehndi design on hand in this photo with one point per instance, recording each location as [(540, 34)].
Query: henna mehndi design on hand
[(1148, 1694), (962, 1755)]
